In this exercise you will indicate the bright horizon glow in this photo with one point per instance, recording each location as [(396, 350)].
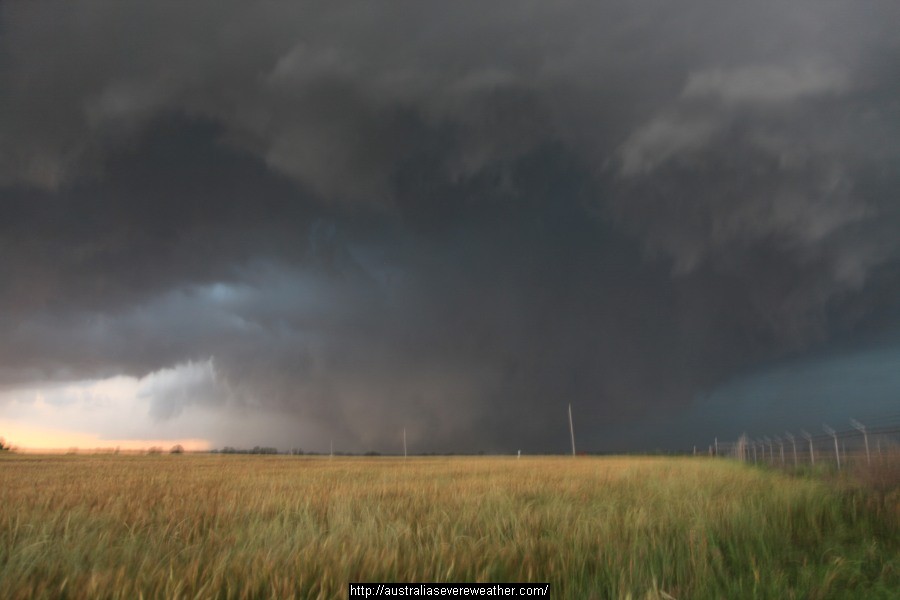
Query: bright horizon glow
[(180, 404), (28, 438), (116, 412)]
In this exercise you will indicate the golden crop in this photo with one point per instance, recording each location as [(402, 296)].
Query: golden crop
[(217, 526)]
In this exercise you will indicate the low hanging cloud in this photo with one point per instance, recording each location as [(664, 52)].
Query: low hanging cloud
[(339, 220), (170, 390)]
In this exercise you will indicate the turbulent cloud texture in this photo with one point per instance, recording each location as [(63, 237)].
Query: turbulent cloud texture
[(456, 218)]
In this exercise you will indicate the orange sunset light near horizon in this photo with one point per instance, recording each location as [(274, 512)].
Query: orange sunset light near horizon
[(26, 438)]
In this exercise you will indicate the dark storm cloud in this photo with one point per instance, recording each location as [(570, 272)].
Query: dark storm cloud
[(460, 217)]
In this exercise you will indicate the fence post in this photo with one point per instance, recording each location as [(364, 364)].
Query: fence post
[(790, 437), (837, 451), (771, 450), (862, 428), (812, 454)]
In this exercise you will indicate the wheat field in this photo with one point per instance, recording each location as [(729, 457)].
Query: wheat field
[(225, 526)]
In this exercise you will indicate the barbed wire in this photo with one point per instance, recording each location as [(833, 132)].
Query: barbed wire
[(826, 445)]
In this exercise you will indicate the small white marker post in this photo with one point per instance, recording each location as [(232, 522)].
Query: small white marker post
[(781, 447), (790, 436), (812, 454), (571, 429), (837, 451), (862, 429), (519, 455)]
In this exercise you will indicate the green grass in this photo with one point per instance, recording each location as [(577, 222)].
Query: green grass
[(258, 527)]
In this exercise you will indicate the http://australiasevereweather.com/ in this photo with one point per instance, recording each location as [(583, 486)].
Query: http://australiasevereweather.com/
[(507, 590)]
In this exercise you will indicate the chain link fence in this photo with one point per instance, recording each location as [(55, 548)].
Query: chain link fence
[(854, 443)]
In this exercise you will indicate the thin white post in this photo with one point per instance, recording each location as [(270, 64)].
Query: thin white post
[(812, 454), (571, 429), (862, 428), (790, 436), (716, 442), (837, 451)]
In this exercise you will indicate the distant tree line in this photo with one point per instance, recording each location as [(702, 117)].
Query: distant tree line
[(254, 450)]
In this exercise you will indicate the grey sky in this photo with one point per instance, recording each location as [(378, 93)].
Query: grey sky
[(459, 217)]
